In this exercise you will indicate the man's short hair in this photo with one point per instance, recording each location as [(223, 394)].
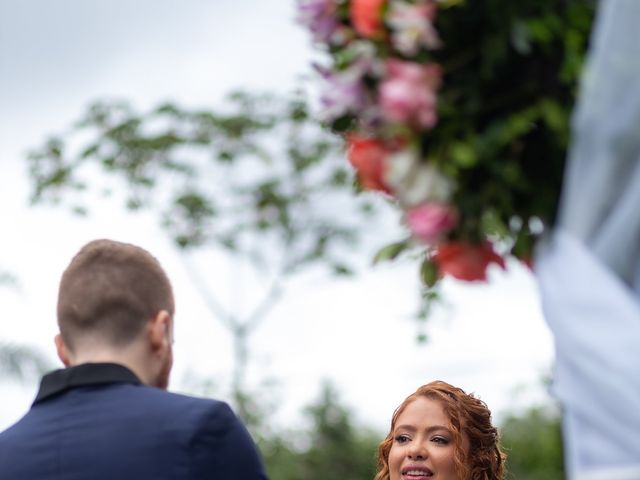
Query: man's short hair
[(109, 291)]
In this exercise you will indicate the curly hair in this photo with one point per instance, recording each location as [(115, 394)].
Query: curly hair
[(471, 418)]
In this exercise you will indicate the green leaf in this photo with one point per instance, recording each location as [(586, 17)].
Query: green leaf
[(341, 269), (343, 123), (391, 251), (429, 273), (492, 225), (90, 151), (80, 211), (422, 338), (225, 156), (463, 154)]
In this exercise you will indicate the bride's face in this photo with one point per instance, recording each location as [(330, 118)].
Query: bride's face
[(423, 446)]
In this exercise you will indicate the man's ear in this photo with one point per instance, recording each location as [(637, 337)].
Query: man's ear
[(62, 350), (161, 330)]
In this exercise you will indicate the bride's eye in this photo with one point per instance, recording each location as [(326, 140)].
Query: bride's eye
[(440, 440), (402, 438)]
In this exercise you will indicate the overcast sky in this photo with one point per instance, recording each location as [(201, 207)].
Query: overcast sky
[(55, 57)]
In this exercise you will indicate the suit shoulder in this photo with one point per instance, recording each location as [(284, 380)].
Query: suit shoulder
[(185, 406), (183, 399)]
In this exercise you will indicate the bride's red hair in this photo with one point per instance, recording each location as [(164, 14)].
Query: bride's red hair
[(471, 418)]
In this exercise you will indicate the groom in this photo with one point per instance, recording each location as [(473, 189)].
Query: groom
[(107, 415)]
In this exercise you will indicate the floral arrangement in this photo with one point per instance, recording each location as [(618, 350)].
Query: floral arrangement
[(459, 112)]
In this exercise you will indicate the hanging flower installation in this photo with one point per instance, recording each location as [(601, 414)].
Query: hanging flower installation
[(458, 112)]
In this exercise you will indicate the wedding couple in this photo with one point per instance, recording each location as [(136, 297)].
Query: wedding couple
[(107, 415)]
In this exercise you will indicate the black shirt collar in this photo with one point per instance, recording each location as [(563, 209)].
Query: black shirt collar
[(59, 381)]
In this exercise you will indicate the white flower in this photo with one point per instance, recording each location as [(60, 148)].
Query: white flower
[(412, 26), (414, 181)]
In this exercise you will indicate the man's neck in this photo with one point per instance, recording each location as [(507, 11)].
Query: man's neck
[(124, 358)]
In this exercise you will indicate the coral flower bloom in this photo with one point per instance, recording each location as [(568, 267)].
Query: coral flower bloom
[(368, 156), (465, 261), (366, 16)]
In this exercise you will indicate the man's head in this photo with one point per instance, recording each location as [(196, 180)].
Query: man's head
[(115, 301)]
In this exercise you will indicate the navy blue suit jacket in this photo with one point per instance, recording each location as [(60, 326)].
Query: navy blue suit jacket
[(98, 422)]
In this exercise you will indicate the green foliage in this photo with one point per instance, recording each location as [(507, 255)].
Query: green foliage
[(511, 75), (22, 362), (333, 447), (533, 442), (8, 279), (258, 176), (391, 251)]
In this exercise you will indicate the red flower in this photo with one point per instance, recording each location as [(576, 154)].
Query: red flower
[(368, 157), (465, 261), (366, 16)]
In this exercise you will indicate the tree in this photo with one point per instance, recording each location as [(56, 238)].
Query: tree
[(19, 362), (258, 179), (533, 442), (7, 279), (334, 446), (22, 362)]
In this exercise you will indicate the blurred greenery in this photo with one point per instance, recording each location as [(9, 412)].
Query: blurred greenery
[(8, 279), (256, 176), (22, 362), (19, 362), (333, 446), (511, 77), (533, 442)]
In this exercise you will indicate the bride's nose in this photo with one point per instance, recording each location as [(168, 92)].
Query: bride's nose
[(417, 450)]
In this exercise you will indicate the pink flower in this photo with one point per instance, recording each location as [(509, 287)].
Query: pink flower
[(466, 261), (429, 222), (408, 93), (366, 16)]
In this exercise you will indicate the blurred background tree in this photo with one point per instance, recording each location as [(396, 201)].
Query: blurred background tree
[(533, 442), (7, 279), (333, 446), (19, 362), (22, 362)]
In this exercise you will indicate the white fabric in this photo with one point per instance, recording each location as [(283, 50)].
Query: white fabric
[(589, 272), (614, 474), (595, 320), (601, 199)]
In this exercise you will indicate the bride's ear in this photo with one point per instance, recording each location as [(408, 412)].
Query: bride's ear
[(62, 350)]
